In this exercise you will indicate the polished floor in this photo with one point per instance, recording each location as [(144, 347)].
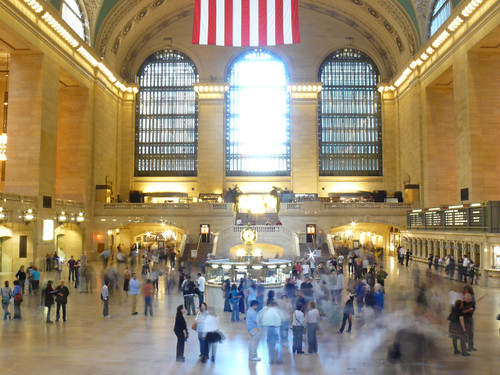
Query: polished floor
[(125, 344)]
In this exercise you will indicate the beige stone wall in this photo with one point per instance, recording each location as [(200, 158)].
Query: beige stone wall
[(440, 178), (410, 137), (304, 143), (32, 122), (72, 145), (484, 102)]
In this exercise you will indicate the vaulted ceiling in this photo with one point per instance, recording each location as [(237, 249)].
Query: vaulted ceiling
[(125, 32)]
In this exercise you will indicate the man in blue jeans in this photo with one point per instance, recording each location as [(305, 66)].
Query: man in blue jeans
[(272, 321)]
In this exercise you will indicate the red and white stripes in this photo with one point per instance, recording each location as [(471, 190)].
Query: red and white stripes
[(246, 22)]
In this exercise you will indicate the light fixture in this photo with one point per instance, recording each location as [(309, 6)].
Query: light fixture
[(110, 232), (257, 267), (215, 266), (3, 214), (62, 217), (80, 218), (29, 216)]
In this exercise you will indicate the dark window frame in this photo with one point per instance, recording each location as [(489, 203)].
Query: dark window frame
[(349, 116), (166, 124)]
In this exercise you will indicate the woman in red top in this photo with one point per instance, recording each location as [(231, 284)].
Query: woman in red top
[(148, 291)]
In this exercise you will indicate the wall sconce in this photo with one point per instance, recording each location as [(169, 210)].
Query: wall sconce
[(29, 216), (62, 218), (3, 214), (110, 232)]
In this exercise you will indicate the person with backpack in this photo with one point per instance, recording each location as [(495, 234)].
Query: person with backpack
[(188, 290)]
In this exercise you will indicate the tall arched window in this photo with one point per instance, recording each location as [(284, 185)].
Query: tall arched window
[(440, 13), (72, 14), (349, 114), (258, 116), (166, 132)]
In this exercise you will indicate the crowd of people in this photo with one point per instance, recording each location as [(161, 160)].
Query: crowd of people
[(331, 292)]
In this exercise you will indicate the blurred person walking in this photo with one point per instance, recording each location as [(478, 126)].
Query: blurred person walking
[(188, 287), (198, 327), (6, 294), (468, 309), (456, 328), (21, 276), (18, 299), (211, 333), (286, 310), (348, 312), (127, 275), (360, 293), (235, 301), (271, 319)]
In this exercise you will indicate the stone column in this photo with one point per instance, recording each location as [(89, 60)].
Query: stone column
[(32, 135), (304, 140), (73, 156), (476, 75), (32, 125), (211, 141)]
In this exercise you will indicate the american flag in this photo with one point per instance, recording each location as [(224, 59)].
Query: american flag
[(246, 22)]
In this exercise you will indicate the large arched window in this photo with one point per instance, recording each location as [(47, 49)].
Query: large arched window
[(440, 13), (72, 14), (349, 114), (258, 116), (166, 133)]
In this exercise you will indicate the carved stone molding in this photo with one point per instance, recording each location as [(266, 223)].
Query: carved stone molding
[(93, 7)]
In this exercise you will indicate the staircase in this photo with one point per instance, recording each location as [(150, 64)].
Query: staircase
[(203, 251), (322, 254), (258, 219)]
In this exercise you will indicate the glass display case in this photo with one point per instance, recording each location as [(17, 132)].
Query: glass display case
[(271, 272)]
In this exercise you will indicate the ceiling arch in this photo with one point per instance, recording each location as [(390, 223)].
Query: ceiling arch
[(126, 30)]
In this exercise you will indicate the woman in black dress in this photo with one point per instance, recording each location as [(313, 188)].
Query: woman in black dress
[(181, 331), (49, 299), (456, 329)]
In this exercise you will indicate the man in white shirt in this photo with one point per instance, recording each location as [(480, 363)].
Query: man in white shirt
[(201, 288), (466, 262), (271, 319)]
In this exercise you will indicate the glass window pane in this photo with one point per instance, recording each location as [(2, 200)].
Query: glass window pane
[(440, 13), (258, 116), (73, 16), (167, 116), (349, 116)]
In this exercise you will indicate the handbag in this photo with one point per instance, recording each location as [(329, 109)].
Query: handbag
[(213, 337), (5, 300), (194, 326), (18, 297)]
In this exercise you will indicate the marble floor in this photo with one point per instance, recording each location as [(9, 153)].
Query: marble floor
[(88, 344)]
